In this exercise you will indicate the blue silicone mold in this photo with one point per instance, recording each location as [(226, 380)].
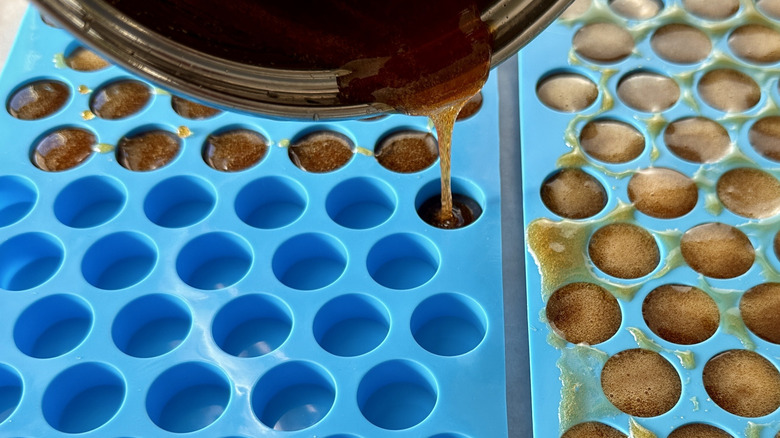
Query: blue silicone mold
[(566, 378), (264, 302)]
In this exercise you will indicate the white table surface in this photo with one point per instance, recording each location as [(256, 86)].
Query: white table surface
[(11, 12)]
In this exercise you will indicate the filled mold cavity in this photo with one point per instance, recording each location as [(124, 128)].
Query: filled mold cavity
[(397, 395), (648, 91), (662, 193), (188, 397), (119, 260), (293, 396), (467, 204), (749, 192), (309, 261), (321, 151), (624, 250), (18, 196), (681, 43), (180, 201), (361, 203), (699, 430), (85, 60), (121, 99), (252, 325), (63, 149), (29, 260), (567, 92), (698, 139), (760, 311), (147, 149), (583, 313), (729, 90), (712, 9), (214, 261), (641, 383), (603, 42), (573, 194), (90, 201), (764, 136), (576, 9), (52, 326), (743, 383), (351, 325), (151, 325), (611, 141), (471, 108), (755, 43), (681, 314), (770, 8), (717, 250), (449, 324), (83, 397), (38, 99), (192, 110), (271, 202), (235, 149), (11, 389), (593, 429), (403, 261), (636, 9), (407, 151)]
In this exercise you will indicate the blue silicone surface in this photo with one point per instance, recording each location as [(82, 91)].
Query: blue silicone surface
[(566, 378), (151, 304)]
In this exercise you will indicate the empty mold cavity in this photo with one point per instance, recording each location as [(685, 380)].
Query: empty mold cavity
[(293, 396), (583, 313), (83, 59), (119, 260), (83, 397), (192, 110), (18, 196), (681, 314), (151, 325), (611, 141), (11, 388), (467, 204), (603, 42), (252, 325), (760, 311), (351, 325), (28, 260), (662, 193), (180, 201), (449, 435), (407, 151), (749, 192), (755, 43), (697, 139), (147, 149), (699, 430), (188, 397), (573, 193), (309, 261), (648, 91), (234, 150), (90, 201), (624, 250), (729, 90), (717, 250), (712, 9), (214, 261), (593, 429), (567, 92), (449, 324), (361, 203), (120, 99), (52, 326), (38, 99), (743, 383), (63, 149), (636, 9), (681, 43), (403, 261), (641, 383), (764, 136), (271, 202), (397, 395), (321, 151)]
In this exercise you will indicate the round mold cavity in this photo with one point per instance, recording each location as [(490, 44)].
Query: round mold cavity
[(321, 151), (755, 43), (147, 148), (770, 8), (52, 326), (567, 92), (712, 9), (449, 435), (636, 9), (449, 324), (151, 325), (648, 91), (681, 314), (641, 383), (342, 435), (662, 193), (699, 430), (403, 261), (214, 261), (188, 397), (234, 149), (764, 136), (681, 43), (81, 59), (351, 325), (612, 141), (397, 395), (252, 325), (361, 203), (407, 150), (468, 204), (717, 250), (576, 9), (18, 196), (38, 99), (759, 308), (603, 42), (83, 397), (271, 202), (573, 193), (119, 260), (697, 139), (471, 108), (728, 90), (593, 429), (583, 313), (624, 250), (120, 99), (29, 260), (192, 110), (742, 382), (90, 201), (63, 149), (11, 388), (180, 201), (293, 396), (309, 261)]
